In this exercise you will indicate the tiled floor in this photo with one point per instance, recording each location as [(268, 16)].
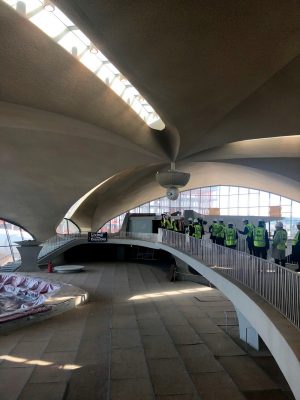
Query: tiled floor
[(140, 337)]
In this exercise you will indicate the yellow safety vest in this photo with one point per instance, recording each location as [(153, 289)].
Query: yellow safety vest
[(259, 237), (230, 236), (198, 231), (250, 229), (296, 239), (280, 239)]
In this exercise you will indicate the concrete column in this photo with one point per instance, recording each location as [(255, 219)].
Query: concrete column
[(29, 250)]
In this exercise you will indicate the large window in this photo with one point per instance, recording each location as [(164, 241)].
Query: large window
[(227, 200), (9, 234), (67, 227)]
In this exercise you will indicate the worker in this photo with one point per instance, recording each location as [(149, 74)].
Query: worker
[(279, 244), (197, 229), (189, 230), (296, 248), (260, 240), (163, 221), (168, 223), (174, 225), (230, 236), (181, 227), (213, 230), (201, 222), (220, 232), (248, 231)]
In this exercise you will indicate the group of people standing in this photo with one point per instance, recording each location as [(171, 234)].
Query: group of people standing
[(257, 237)]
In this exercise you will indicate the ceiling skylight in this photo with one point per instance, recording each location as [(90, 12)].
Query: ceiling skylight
[(52, 21)]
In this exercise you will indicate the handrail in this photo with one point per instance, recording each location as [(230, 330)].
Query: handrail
[(279, 286), (58, 241)]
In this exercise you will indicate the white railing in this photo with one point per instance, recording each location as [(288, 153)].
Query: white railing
[(58, 241), (279, 286)]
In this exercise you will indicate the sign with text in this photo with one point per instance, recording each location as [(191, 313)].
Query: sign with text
[(97, 237)]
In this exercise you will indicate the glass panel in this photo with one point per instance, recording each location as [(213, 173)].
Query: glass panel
[(253, 200), (233, 201), (274, 200), (243, 190), (224, 201), (296, 209), (234, 190), (5, 255), (264, 199), (215, 190), (243, 200), (3, 235), (285, 201), (254, 211), (48, 23), (263, 211), (243, 211), (224, 190)]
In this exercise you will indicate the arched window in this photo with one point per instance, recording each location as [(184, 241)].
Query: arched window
[(222, 200), (9, 235), (67, 227)]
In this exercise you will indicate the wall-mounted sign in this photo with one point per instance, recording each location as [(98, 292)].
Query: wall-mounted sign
[(97, 237)]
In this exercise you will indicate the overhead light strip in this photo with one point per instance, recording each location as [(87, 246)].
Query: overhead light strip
[(52, 21)]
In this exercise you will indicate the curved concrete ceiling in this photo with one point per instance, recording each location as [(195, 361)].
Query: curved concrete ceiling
[(217, 73)]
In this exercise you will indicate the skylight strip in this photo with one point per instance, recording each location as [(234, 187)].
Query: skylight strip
[(61, 29)]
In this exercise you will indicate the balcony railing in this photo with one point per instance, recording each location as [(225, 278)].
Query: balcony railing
[(279, 286)]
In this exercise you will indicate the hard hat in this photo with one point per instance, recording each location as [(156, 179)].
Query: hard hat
[(215, 221), (221, 220), (195, 220), (261, 222), (279, 224), (245, 220), (230, 223), (190, 219)]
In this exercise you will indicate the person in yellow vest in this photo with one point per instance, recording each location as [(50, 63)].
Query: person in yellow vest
[(197, 229), (248, 231), (163, 221), (189, 230), (261, 240), (231, 236), (213, 230), (296, 247), (174, 225), (220, 233), (168, 223), (279, 244)]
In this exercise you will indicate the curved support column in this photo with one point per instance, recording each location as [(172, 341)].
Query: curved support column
[(29, 250)]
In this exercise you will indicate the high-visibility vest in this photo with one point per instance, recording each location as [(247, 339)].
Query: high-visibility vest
[(163, 223), (169, 224), (220, 231), (198, 231), (259, 237), (230, 236), (174, 225), (296, 239), (280, 239), (214, 229), (250, 228)]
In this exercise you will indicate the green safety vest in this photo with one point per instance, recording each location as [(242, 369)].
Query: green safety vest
[(220, 231), (250, 229), (230, 236), (280, 239), (259, 237), (214, 229), (163, 223), (296, 239), (168, 224), (174, 226), (198, 231)]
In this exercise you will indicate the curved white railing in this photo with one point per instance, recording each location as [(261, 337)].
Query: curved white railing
[(57, 242), (279, 286)]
